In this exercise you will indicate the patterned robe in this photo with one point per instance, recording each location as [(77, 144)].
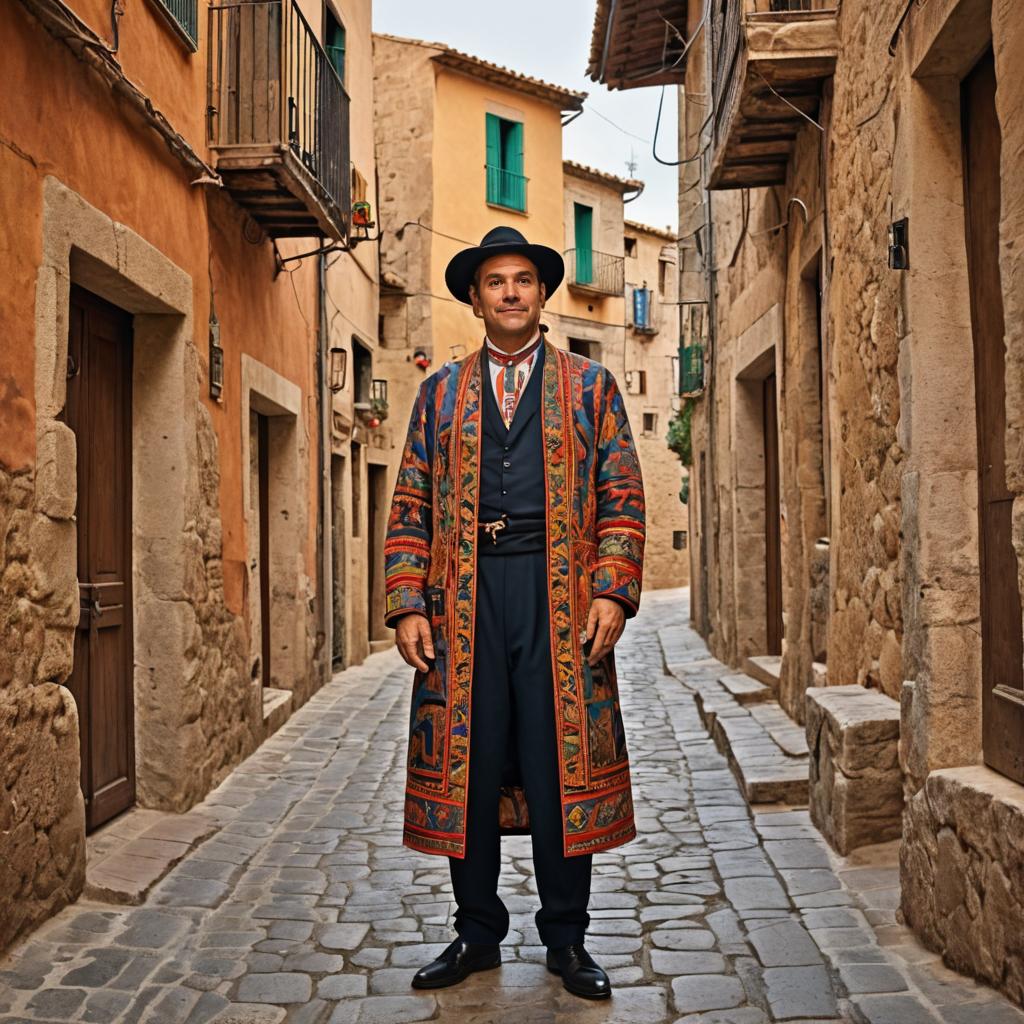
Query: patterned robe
[(595, 528)]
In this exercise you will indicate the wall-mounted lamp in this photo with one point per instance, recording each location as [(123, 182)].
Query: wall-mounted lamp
[(216, 359), (336, 369), (379, 390), (679, 540), (421, 359), (899, 245)]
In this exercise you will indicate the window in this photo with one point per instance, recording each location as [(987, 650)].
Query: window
[(587, 349), (183, 17), (583, 221), (642, 308), (636, 382), (629, 244), (650, 422), (363, 359), (663, 266), (334, 42), (506, 185)]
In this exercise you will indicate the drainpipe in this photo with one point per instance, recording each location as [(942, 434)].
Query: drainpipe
[(709, 388), (324, 582)]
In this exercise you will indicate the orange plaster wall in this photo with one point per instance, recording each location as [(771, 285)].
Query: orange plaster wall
[(460, 188), (67, 123)]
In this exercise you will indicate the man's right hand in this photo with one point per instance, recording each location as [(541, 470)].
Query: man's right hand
[(412, 634)]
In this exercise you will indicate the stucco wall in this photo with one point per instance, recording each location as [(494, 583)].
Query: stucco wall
[(165, 250)]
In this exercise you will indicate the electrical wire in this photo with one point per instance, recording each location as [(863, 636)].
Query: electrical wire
[(624, 131), (657, 127), (787, 102)]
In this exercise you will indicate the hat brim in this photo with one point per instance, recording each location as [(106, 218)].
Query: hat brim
[(463, 266)]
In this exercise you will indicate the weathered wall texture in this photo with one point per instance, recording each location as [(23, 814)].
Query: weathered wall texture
[(664, 564), (42, 814), (166, 251), (962, 863), (888, 472)]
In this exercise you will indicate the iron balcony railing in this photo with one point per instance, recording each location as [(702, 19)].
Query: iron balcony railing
[(595, 271), (270, 82), (506, 188), (691, 369)]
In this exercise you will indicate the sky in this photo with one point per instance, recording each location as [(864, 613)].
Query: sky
[(550, 39)]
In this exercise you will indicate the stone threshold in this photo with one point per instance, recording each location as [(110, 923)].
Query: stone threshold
[(765, 748), (128, 856)]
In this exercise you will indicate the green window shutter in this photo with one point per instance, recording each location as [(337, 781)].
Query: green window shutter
[(494, 175), (584, 223), (512, 162), (336, 45)]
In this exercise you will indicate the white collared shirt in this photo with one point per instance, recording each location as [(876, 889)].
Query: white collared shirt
[(495, 366)]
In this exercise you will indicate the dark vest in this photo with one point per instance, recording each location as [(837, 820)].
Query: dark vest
[(512, 467)]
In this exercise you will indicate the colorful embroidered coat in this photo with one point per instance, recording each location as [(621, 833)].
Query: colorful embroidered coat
[(595, 529)]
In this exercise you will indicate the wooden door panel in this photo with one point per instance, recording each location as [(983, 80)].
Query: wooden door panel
[(98, 410), (772, 525), (1002, 639)]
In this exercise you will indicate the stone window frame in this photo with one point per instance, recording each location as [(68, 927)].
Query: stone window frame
[(267, 392)]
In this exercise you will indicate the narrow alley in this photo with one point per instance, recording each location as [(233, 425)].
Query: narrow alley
[(302, 905)]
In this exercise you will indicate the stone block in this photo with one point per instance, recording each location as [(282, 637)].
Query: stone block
[(56, 467), (962, 873), (856, 787)]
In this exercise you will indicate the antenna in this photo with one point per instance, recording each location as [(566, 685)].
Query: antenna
[(631, 164)]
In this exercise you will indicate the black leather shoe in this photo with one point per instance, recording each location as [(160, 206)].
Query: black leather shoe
[(580, 974), (456, 963)]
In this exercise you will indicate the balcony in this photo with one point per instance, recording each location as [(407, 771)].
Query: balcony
[(595, 273), (278, 119), (506, 189), (770, 60), (691, 370)]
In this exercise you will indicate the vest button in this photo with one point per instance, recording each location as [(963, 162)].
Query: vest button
[(506, 463)]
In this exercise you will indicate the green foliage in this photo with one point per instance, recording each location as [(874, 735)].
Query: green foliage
[(678, 436), (684, 491)]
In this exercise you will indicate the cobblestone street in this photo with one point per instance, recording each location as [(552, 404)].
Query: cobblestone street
[(304, 906)]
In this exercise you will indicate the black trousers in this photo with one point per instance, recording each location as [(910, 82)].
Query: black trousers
[(513, 703)]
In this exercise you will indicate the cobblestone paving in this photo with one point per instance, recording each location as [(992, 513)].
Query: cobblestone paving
[(304, 906)]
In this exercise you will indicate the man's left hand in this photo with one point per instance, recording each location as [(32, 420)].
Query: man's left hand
[(604, 625)]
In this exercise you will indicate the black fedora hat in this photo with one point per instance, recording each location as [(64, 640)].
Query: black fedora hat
[(459, 273)]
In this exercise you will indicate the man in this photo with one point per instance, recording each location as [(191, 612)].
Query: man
[(513, 557)]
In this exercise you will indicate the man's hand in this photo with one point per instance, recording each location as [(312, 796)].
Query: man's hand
[(412, 634), (604, 624)]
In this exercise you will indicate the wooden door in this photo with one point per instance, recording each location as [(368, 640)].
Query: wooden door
[(99, 412), (263, 513), (772, 525), (1002, 643), (705, 527)]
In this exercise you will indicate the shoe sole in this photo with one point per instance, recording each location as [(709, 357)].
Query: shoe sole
[(446, 982), (576, 991)]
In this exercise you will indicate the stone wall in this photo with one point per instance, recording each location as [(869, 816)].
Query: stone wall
[(42, 813), (962, 868), (865, 633)]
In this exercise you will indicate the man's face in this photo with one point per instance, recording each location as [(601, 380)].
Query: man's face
[(509, 296)]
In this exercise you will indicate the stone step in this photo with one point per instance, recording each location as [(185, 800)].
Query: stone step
[(765, 772), (126, 858), (277, 708), (744, 689), (790, 737), (765, 668)]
